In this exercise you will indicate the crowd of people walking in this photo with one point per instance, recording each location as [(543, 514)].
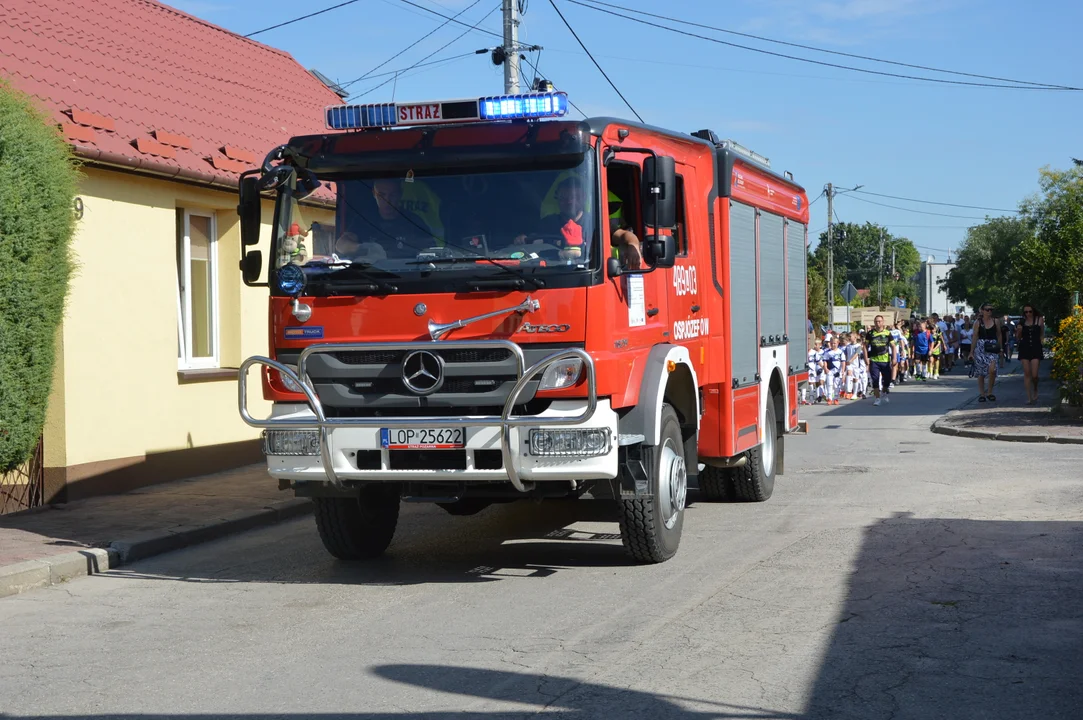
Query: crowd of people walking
[(870, 362)]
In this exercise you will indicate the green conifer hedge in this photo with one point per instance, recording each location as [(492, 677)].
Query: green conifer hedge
[(38, 182)]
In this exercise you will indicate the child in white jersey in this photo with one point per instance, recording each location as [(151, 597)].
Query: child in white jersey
[(833, 366), (814, 365)]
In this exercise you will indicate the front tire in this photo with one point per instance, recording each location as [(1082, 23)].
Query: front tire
[(650, 528), (755, 480), (358, 528)]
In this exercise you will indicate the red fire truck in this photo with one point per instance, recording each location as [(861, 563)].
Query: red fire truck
[(476, 301)]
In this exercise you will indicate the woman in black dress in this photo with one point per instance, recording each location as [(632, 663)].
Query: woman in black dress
[(1029, 334)]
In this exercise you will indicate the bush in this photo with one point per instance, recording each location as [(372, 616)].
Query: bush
[(38, 182), (1068, 357)]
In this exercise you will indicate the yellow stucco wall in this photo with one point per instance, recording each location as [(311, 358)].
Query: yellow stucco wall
[(117, 393)]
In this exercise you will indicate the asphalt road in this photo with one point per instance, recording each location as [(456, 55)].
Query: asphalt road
[(894, 574)]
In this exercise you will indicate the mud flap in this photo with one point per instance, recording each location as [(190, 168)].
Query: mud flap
[(632, 477)]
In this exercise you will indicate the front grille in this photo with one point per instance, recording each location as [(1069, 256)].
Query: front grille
[(534, 407), (459, 386), (370, 357), (481, 355), (387, 357)]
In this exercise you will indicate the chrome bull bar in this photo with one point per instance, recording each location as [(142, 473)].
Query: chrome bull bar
[(506, 420)]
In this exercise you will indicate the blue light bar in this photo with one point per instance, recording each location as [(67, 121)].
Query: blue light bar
[(441, 112), (534, 105), (353, 117)]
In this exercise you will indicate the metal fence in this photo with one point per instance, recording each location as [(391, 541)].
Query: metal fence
[(24, 487)]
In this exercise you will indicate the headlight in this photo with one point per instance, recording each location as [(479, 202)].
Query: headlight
[(562, 374), (291, 442), (288, 382), (590, 442), (291, 279)]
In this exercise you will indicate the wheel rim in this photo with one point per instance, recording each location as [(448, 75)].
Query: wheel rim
[(673, 479), (769, 448)]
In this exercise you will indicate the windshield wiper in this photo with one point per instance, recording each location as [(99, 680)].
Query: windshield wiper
[(516, 280), (349, 270)]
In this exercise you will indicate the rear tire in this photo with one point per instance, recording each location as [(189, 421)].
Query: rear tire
[(755, 480), (650, 528), (358, 528), (716, 483)]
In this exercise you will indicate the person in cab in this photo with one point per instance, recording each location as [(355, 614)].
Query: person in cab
[(398, 232), (571, 226)]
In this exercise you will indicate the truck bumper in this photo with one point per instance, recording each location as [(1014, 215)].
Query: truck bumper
[(510, 433), (357, 455)]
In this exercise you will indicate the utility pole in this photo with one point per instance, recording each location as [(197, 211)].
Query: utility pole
[(511, 46), (830, 190)]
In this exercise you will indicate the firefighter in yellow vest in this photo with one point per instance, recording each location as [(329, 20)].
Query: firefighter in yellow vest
[(624, 242)]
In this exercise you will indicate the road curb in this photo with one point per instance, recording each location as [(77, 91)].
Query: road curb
[(32, 574), (941, 427)]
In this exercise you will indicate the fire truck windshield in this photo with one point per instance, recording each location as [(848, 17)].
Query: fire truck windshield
[(444, 231)]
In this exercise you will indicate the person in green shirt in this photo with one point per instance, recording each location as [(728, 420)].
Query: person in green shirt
[(879, 349)]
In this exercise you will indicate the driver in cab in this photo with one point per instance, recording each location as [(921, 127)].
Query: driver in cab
[(394, 232), (570, 227)]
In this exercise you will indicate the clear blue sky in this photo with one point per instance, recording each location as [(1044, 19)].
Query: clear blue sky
[(972, 146)]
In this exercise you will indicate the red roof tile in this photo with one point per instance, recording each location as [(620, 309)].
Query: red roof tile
[(144, 70), (170, 139)]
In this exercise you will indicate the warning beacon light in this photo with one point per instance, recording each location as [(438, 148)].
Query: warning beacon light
[(528, 106)]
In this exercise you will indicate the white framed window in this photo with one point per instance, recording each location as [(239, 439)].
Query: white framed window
[(197, 290)]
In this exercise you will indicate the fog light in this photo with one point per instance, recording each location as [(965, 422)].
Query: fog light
[(590, 442), (562, 374), (288, 382), (291, 442)]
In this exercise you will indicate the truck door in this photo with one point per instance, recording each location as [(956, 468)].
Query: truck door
[(642, 318), (691, 321)]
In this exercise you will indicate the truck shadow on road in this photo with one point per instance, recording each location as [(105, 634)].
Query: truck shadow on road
[(514, 540)]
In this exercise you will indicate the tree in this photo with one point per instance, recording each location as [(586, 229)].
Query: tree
[(38, 182), (1048, 263), (983, 267), (857, 259), (817, 297)]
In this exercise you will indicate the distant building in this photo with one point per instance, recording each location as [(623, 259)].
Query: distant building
[(931, 298)]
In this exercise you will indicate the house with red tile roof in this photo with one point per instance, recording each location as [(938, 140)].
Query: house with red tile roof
[(165, 111)]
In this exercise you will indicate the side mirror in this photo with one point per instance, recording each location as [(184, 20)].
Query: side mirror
[(660, 251), (659, 192), (249, 208), (613, 268), (251, 266)]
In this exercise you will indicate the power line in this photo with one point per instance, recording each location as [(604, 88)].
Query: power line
[(303, 17), (920, 212), (451, 19), (576, 36), (411, 45), (442, 47), (934, 202), (438, 61), (836, 52), (941, 81)]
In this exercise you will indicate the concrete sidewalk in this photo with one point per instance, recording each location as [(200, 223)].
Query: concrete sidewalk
[(1010, 418), (56, 543)]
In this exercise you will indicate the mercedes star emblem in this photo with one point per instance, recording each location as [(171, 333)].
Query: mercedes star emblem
[(420, 309), (423, 372)]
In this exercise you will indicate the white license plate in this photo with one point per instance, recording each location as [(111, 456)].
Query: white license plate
[(422, 438)]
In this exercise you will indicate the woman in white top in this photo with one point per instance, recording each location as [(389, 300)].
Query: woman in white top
[(966, 338)]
